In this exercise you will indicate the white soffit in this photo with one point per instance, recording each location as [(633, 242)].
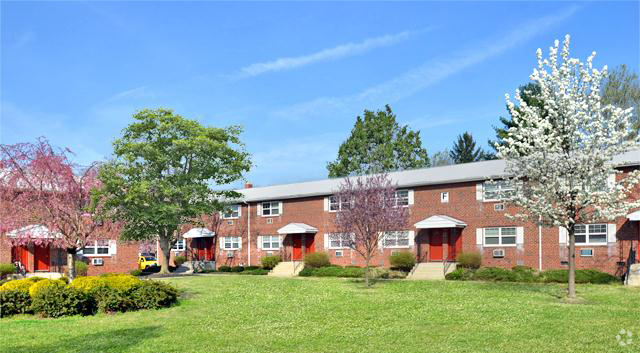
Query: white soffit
[(440, 221), (198, 233)]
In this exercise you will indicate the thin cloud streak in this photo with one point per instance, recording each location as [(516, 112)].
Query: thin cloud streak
[(340, 51), (425, 75)]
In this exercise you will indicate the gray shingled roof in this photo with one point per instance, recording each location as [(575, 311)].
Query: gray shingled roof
[(408, 178)]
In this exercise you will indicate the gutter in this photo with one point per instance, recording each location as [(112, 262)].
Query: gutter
[(248, 232)]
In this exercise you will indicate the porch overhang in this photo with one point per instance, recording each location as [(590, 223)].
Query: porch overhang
[(34, 231), (634, 216), (198, 233), (297, 228), (440, 221)]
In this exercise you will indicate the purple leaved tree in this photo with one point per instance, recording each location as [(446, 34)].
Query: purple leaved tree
[(365, 210)]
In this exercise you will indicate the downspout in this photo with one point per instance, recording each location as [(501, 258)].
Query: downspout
[(540, 244), (248, 232)]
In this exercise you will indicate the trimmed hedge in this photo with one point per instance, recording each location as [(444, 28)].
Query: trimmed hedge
[(257, 271), (469, 260), (350, 272), (528, 275), (179, 260), (20, 284), (269, 262), (316, 260), (54, 301), (7, 269), (402, 260), (154, 295), (38, 286), (14, 302), (224, 268)]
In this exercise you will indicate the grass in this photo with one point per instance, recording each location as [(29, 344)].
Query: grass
[(263, 314)]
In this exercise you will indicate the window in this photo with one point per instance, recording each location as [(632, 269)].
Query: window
[(498, 207), (500, 236), (498, 190), (340, 241), (401, 198), (586, 252), (231, 243), (179, 245), (271, 208), (270, 242), (398, 239), (232, 211), (339, 253), (337, 205), (591, 233), (444, 197), (97, 248)]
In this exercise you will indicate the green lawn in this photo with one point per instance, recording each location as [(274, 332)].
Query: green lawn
[(229, 313)]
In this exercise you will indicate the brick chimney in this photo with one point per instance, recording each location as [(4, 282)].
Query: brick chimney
[(248, 185)]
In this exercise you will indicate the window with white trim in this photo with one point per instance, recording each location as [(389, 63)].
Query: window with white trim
[(498, 190), (231, 212), (178, 246), (500, 236), (230, 243), (340, 241), (337, 204), (591, 233), (270, 242), (271, 208), (399, 239), (586, 252), (97, 248), (401, 198)]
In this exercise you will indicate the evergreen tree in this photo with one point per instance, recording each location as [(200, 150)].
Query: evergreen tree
[(622, 89), (378, 144), (464, 150)]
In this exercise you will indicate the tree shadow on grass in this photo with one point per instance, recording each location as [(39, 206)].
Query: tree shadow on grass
[(117, 340)]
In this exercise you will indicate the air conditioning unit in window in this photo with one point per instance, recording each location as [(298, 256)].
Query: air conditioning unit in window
[(498, 253), (96, 261), (229, 253)]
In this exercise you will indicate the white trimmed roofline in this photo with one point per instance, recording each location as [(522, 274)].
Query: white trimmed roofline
[(458, 173)]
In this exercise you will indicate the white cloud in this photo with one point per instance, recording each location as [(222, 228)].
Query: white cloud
[(137, 93), (423, 76), (340, 51)]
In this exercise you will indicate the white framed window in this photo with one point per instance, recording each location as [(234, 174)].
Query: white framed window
[(399, 239), (444, 197), (340, 241), (401, 198), (503, 236), (231, 212), (270, 242), (97, 248), (586, 252), (230, 222), (271, 208), (339, 253), (336, 204), (231, 243), (591, 233), (498, 190), (178, 246)]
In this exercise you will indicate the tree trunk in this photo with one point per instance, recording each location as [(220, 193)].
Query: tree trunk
[(71, 264), (571, 290), (165, 246), (366, 273)]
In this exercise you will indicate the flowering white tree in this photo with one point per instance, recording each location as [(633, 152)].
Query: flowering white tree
[(562, 162)]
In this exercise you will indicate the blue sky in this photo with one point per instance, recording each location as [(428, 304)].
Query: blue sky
[(294, 75)]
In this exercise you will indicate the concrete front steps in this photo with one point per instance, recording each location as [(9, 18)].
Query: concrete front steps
[(287, 269), (430, 270)]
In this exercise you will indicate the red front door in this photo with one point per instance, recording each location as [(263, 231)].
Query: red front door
[(21, 253), (435, 245), (455, 244), (41, 257), (203, 248), (297, 247), (309, 244)]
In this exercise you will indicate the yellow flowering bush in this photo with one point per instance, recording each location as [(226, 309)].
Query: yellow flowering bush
[(39, 285)]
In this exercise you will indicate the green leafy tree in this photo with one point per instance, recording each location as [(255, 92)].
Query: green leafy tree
[(441, 158), (378, 144), (162, 173), (622, 89), (464, 150)]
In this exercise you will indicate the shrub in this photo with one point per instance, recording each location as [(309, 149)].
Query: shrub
[(316, 260), (386, 273), (224, 268), (7, 269), (251, 268), (402, 260), (460, 274), (20, 284), (494, 274), (55, 301), (179, 260), (237, 268), (135, 272), (88, 284), (81, 268), (111, 300), (122, 281), (257, 271), (524, 274), (38, 286), (471, 260), (332, 271), (14, 302), (269, 262), (582, 276), (154, 295)]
